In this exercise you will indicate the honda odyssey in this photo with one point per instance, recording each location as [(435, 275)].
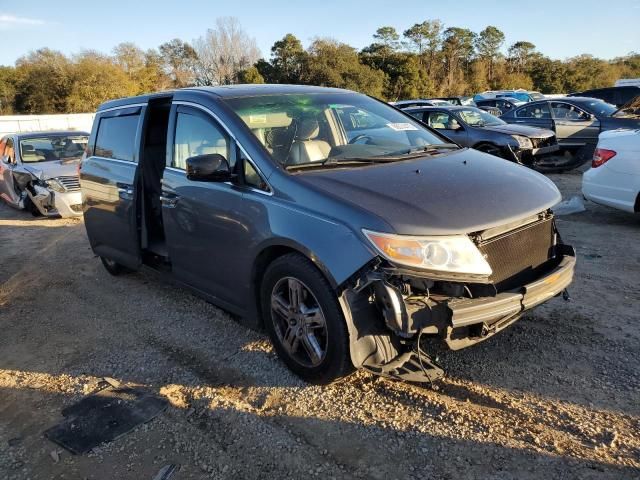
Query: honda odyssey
[(341, 225)]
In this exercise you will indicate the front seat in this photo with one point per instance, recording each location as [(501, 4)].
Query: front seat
[(306, 148)]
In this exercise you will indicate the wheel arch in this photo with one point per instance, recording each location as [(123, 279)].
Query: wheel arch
[(267, 255)]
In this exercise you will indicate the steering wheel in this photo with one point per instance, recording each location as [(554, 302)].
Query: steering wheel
[(359, 137)]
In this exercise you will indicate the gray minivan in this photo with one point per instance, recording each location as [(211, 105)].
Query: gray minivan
[(347, 229)]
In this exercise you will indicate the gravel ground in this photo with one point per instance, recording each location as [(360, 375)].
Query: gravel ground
[(554, 396)]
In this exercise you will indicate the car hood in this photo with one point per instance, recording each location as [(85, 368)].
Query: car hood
[(460, 192), (57, 168), (525, 130)]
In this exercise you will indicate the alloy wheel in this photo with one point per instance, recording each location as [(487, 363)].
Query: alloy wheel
[(299, 322)]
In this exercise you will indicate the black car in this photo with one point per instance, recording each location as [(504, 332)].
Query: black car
[(501, 105), (617, 96), (475, 128), (576, 121)]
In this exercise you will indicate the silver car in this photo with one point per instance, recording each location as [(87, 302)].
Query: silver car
[(39, 172)]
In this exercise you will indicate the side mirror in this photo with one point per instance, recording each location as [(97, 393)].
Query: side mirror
[(6, 159), (454, 125), (211, 167)]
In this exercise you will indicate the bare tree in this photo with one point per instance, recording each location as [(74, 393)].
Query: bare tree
[(223, 52)]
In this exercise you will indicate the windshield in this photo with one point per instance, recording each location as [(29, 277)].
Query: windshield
[(537, 95), (478, 118), (47, 149), (319, 128), (599, 108)]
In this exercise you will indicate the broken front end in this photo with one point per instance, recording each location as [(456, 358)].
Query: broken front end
[(391, 306), (50, 197)]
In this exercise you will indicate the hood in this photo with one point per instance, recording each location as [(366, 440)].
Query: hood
[(525, 130), (461, 192), (57, 168)]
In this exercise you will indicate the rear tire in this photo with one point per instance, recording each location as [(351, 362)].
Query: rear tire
[(304, 320), (113, 267)]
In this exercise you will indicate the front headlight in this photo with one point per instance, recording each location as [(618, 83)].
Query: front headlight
[(523, 142), (55, 185), (455, 254)]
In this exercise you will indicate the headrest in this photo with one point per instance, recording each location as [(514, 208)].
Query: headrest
[(308, 129), (28, 148)]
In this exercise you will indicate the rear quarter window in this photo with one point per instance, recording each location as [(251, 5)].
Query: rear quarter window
[(116, 137)]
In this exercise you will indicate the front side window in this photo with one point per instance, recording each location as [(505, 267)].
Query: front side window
[(440, 120), (566, 111), (300, 129), (540, 110), (9, 151), (116, 137), (197, 135)]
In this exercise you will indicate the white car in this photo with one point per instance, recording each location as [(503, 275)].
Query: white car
[(614, 176)]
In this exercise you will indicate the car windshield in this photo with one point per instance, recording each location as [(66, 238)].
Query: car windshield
[(320, 128), (536, 95), (478, 118), (47, 149), (599, 108)]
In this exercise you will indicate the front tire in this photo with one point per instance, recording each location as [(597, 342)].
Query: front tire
[(113, 267), (304, 320)]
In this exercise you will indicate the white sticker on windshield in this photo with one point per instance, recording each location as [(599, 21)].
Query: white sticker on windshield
[(401, 127)]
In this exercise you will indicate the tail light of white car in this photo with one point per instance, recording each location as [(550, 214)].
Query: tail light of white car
[(601, 156)]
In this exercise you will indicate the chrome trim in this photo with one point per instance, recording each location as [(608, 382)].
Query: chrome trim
[(235, 139), (120, 107), (269, 193), (127, 162)]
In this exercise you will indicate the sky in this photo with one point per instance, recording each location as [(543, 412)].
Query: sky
[(559, 28)]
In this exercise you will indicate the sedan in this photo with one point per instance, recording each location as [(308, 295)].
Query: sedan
[(39, 172), (475, 128), (614, 176), (577, 121)]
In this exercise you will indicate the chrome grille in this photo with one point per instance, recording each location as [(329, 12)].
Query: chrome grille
[(70, 183), (514, 256)]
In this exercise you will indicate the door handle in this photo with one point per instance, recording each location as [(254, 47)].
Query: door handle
[(125, 192), (169, 200)]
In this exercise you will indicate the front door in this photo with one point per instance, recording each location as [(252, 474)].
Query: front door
[(205, 228), (108, 181), (574, 127)]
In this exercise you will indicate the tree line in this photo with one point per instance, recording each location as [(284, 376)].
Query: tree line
[(426, 60)]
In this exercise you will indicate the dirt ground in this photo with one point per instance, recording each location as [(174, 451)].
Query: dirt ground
[(555, 396)]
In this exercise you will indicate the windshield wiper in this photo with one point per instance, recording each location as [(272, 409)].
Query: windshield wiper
[(385, 158)]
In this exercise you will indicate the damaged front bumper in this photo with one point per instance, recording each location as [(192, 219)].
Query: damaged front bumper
[(53, 204), (528, 155), (387, 320)]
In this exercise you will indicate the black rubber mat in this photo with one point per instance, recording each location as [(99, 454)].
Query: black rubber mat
[(104, 416)]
